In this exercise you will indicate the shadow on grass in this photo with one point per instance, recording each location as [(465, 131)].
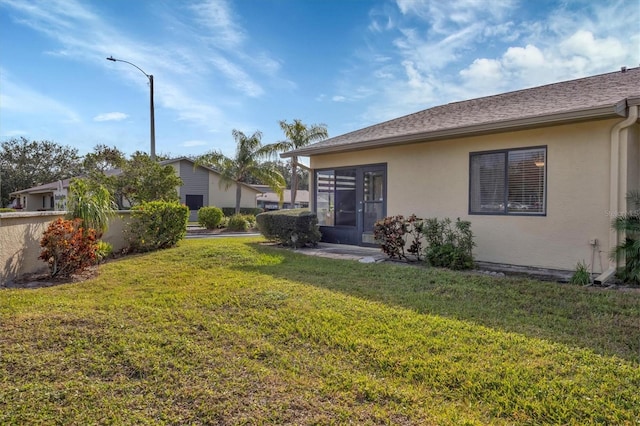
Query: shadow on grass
[(604, 321)]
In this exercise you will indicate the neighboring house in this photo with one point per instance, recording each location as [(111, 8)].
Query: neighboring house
[(269, 200), (50, 196), (540, 173), (200, 188)]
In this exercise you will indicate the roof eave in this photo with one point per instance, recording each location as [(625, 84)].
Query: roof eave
[(474, 130)]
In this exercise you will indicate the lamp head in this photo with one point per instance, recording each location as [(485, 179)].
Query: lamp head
[(111, 58)]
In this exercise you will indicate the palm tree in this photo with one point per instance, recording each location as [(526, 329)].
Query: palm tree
[(298, 135), (246, 164), (92, 203), (628, 251)]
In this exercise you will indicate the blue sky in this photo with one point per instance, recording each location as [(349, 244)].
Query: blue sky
[(246, 64)]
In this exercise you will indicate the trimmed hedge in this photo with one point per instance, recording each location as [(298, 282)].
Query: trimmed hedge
[(210, 217), (231, 211), (239, 223), (293, 228), (157, 225)]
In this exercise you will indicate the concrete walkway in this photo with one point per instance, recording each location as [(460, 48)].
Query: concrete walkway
[(342, 251)]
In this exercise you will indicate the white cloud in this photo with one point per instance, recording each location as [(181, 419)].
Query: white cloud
[(461, 49), (486, 75), (217, 17), (110, 116), (18, 98), (339, 98)]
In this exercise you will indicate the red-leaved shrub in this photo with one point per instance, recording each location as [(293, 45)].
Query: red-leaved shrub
[(67, 247)]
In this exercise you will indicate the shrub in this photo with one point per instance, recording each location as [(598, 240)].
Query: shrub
[(6, 210), (210, 217), (238, 223), (231, 211), (629, 249), (449, 246), (67, 247), (156, 225), (291, 227), (251, 220), (103, 250), (581, 275), (394, 232), (390, 232)]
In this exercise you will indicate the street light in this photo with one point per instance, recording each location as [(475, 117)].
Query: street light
[(151, 109)]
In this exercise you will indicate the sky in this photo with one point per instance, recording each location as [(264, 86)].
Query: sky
[(220, 65)]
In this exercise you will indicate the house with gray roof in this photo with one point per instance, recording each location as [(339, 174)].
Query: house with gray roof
[(540, 172), (201, 187)]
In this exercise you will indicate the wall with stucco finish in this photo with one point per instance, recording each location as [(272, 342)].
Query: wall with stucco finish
[(431, 179), (20, 235), (219, 197)]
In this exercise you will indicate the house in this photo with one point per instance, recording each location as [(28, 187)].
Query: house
[(200, 188), (269, 200), (50, 196), (540, 173)]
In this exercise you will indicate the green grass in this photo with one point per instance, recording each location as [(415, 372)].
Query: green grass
[(227, 331)]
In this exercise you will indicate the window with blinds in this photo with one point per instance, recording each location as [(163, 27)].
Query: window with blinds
[(508, 182)]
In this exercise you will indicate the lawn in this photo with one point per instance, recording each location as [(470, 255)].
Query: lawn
[(230, 331)]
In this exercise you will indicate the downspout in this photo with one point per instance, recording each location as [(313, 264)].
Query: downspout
[(614, 187)]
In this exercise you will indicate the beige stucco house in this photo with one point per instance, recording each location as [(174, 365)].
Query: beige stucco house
[(268, 199), (540, 173), (200, 188)]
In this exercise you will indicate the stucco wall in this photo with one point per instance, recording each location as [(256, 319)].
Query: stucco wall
[(432, 179), (220, 197), (20, 235)]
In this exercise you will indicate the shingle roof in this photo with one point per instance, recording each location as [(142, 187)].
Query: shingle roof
[(585, 98)]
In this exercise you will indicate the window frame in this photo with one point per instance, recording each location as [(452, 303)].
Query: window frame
[(505, 211)]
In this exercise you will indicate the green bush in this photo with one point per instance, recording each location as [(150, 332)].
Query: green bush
[(449, 245), (581, 275), (6, 210), (210, 217), (156, 225), (231, 211), (295, 228), (238, 223), (103, 250), (629, 249), (251, 220)]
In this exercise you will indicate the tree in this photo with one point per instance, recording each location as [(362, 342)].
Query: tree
[(245, 165), (298, 135), (25, 163), (92, 203), (102, 166), (102, 159), (144, 180), (284, 167)]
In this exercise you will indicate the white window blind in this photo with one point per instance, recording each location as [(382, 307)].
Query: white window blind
[(508, 182)]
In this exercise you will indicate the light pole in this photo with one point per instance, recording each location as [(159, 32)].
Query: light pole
[(152, 153)]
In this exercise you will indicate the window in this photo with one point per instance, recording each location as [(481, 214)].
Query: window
[(508, 182)]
